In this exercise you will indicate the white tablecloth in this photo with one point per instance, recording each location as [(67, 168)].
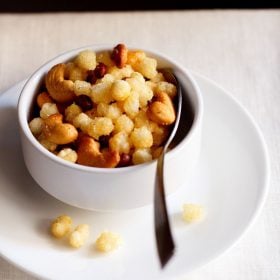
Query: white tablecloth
[(240, 50)]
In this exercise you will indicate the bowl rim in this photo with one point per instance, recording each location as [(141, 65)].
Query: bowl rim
[(70, 54)]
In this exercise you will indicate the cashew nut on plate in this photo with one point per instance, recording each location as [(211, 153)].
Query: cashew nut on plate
[(60, 90), (57, 132), (161, 110), (89, 154)]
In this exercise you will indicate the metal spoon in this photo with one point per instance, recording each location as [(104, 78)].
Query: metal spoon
[(164, 239)]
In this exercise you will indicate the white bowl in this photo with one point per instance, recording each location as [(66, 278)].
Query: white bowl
[(116, 188)]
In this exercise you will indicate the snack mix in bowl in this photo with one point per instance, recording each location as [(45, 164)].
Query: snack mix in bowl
[(105, 109)]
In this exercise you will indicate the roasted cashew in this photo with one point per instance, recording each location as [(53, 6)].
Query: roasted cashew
[(59, 89), (119, 55), (161, 110), (57, 132), (89, 154), (43, 98)]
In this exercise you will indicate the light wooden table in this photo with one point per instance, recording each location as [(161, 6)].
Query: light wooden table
[(240, 50)]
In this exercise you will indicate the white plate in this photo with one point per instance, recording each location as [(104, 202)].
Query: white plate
[(231, 182)]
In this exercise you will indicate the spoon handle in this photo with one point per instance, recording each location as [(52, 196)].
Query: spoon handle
[(164, 239)]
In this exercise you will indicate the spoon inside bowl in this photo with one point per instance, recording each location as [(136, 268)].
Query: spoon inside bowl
[(164, 239)]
